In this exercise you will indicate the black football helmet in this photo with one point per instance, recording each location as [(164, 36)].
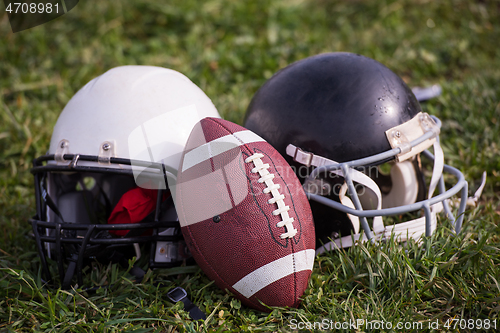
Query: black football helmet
[(337, 117)]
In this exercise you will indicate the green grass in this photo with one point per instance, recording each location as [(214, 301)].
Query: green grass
[(230, 48)]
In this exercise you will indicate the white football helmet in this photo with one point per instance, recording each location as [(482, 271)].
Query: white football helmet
[(114, 150)]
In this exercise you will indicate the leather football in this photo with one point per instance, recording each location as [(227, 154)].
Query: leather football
[(244, 215)]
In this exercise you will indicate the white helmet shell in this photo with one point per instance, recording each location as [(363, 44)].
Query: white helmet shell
[(134, 112)]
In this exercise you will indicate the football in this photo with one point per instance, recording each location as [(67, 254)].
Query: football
[(244, 215)]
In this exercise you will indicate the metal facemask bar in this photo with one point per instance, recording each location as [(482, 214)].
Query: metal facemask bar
[(407, 141), (158, 239)]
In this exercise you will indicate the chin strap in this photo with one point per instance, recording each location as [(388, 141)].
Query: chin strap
[(437, 170), (402, 231), (178, 294)]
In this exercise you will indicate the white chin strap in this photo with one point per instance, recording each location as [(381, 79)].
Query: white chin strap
[(402, 231)]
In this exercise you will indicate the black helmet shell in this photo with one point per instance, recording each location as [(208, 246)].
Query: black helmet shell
[(337, 105)]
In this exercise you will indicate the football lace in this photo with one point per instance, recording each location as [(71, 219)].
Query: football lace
[(267, 178)]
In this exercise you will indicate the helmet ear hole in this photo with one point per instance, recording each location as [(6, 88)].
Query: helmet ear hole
[(385, 169), (87, 183)]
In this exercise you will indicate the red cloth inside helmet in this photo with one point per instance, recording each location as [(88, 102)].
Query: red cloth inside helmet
[(133, 207)]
